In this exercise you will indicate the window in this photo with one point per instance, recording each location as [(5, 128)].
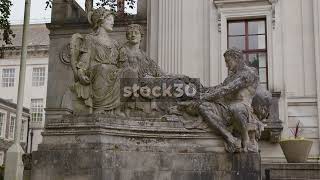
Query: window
[(2, 123), (38, 76), (12, 127), (250, 36), (22, 130), (8, 76), (1, 158), (36, 110)]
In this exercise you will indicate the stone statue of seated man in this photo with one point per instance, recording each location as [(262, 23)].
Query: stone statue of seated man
[(228, 109)]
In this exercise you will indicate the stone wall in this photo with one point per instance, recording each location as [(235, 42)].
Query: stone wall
[(190, 37)]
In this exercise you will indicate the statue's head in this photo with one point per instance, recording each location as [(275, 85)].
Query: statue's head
[(134, 33), (101, 18), (234, 59)]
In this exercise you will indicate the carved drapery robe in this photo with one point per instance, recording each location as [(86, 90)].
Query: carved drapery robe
[(100, 62)]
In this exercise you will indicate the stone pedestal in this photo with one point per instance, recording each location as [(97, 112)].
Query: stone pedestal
[(103, 148), (287, 171)]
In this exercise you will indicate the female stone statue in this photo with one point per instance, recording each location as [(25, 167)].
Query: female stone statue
[(96, 61)]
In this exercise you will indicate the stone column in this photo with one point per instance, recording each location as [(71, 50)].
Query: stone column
[(316, 17), (165, 22)]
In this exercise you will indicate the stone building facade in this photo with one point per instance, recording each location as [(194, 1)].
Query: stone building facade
[(189, 37), (7, 127), (36, 76)]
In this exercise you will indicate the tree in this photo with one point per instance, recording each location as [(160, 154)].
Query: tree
[(6, 32)]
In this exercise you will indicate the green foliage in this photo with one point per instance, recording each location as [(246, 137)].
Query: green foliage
[(109, 3), (113, 3), (6, 32)]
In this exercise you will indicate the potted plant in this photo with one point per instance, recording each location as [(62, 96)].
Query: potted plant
[(296, 149)]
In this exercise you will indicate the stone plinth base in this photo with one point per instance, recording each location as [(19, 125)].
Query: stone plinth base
[(288, 171), (100, 148)]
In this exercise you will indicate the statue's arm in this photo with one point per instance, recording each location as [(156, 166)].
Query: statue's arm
[(229, 86), (82, 68), (122, 58), (80, 57), (153, 67), (84, 62)]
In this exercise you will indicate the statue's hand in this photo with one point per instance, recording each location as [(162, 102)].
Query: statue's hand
[(190, 107), (183, 78), (188, 104), (84, 79), (205, 96), (208, 97)]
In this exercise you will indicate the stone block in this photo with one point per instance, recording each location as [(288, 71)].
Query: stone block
[(192, 175), (98, 148), (275, 171), (137, 161), (194, 162), (164, 175)]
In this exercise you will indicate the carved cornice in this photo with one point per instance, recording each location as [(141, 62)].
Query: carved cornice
[(33, 51), (235, 5), (221, 3), (133, 127), (273, 3)]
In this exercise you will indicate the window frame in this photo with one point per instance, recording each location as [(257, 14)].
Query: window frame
[(2, 158), (8, 78), (23, 127), (38, 83), (233, 13), (31, 110), (246, 35), (14, 126), (3, 130)]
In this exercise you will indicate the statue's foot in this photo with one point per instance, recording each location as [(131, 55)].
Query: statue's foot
[(120, 114), (174, 111), (99, 111), (253, 146), (233, 145)]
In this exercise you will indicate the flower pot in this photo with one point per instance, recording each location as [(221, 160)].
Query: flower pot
[(296, 150)]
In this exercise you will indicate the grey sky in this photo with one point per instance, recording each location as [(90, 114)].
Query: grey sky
[(38, 13)]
